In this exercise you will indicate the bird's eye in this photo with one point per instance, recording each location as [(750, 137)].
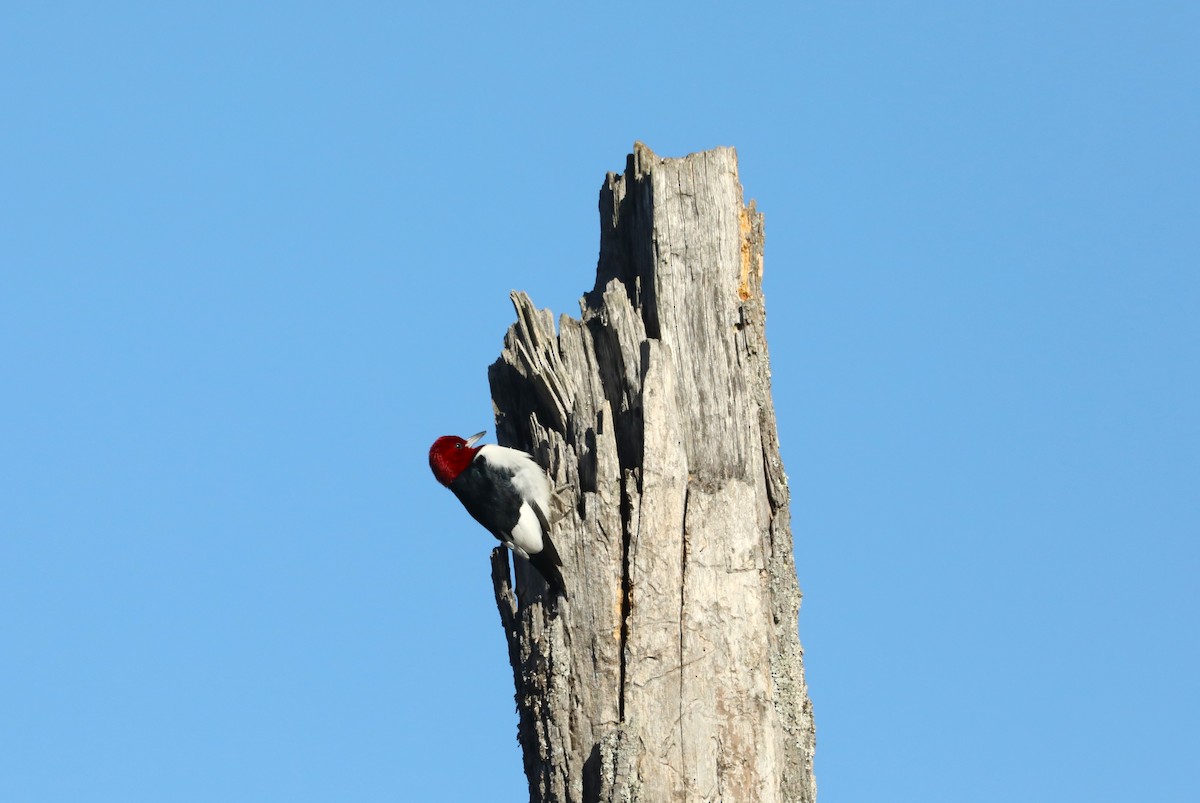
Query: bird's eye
[(458, 446)]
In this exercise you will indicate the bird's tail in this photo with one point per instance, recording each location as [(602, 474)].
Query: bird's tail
[(549, 565)]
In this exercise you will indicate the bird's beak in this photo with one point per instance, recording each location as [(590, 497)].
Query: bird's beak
[(471, 440)]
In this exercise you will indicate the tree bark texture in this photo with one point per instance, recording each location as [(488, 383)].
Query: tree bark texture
[(674, 670)]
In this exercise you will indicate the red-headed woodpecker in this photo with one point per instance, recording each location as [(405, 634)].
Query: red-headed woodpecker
[(507, 492)]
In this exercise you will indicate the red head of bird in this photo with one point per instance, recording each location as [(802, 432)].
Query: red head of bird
[(450, 455)]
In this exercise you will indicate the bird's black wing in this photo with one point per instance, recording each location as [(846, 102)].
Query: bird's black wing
[(495, 505)]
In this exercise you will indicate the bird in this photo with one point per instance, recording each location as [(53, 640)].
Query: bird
[(507, 492)]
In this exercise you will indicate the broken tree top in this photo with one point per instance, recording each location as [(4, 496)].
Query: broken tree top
[(675, 667)]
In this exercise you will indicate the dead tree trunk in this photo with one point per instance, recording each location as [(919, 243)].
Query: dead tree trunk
[(673, 672)]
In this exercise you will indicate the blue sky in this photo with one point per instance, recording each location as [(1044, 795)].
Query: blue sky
[(254, 260)]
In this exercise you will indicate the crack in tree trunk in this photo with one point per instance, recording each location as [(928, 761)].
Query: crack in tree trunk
[(674, 671), (626, 537)]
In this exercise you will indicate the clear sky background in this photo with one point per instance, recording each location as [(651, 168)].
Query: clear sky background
[(256, 257)]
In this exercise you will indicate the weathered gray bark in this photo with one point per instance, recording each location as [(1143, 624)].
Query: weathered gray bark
[(674, 670)]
